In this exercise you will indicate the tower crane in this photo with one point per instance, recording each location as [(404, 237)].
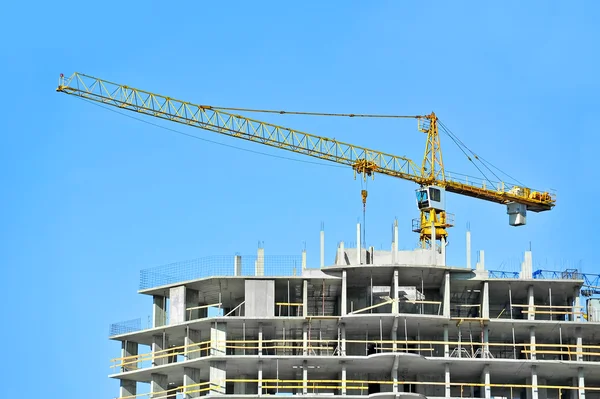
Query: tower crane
[(431, 177)]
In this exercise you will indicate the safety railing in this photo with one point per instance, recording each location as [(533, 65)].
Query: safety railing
[(362, 387), (320, 347), (503, 274), (219, 266)]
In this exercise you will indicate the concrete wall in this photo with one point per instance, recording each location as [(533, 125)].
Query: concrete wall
[(260, 298)]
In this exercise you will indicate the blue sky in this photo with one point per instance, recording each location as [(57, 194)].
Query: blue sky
[(91, 197)]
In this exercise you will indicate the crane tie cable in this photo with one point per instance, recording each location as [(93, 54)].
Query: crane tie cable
[(281, 112)]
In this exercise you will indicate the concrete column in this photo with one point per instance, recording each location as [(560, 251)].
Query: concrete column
[(576, 305), (304, 259), (446, 304), (218, 374), (260, 377), (486, 341), (527, 266), (394, 335), (447, 386), (192, 300), (343, 378), (304, 339), (127, 388), (481, 264), (259, 268), (218, 338), (344, 299), (395, 304), (177, 305), (343, 337), (485, 301), (443, 244), (159, 315), (160, 342), (580, 383), (192, 350), (396, 243), (534, 383), (129, 349), (358, 247), (237, 265), (579, 344), (304, 378), (322, 248), (433, 240), (530, 303), (446, 344), (486, 391), (304, 298), (260, 339), (468, 249), (532, 343), (191, 379), (158, 384)]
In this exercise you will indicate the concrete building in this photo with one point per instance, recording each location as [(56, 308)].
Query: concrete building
[(383, 324)]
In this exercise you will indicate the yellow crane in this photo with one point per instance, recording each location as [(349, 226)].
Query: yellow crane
[(433, 181)]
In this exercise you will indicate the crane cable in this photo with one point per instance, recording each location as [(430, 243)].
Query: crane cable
[(483, 161), (207, 140), (281, 112)]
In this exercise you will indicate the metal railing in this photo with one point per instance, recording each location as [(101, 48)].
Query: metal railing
[(218, 266)]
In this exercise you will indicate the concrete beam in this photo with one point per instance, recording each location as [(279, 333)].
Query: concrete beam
[(177, 305), (191, 379)]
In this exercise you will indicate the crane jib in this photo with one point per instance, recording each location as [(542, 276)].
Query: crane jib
[(361, 159)]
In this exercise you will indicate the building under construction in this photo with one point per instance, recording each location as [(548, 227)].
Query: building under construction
[(379, 323), (383, 324)]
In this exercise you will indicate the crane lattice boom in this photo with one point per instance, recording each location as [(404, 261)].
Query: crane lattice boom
[(361, 159)]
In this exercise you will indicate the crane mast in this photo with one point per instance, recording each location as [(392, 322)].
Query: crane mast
[(431, 177)]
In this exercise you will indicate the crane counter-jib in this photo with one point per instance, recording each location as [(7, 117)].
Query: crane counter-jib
[(363, 160)]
